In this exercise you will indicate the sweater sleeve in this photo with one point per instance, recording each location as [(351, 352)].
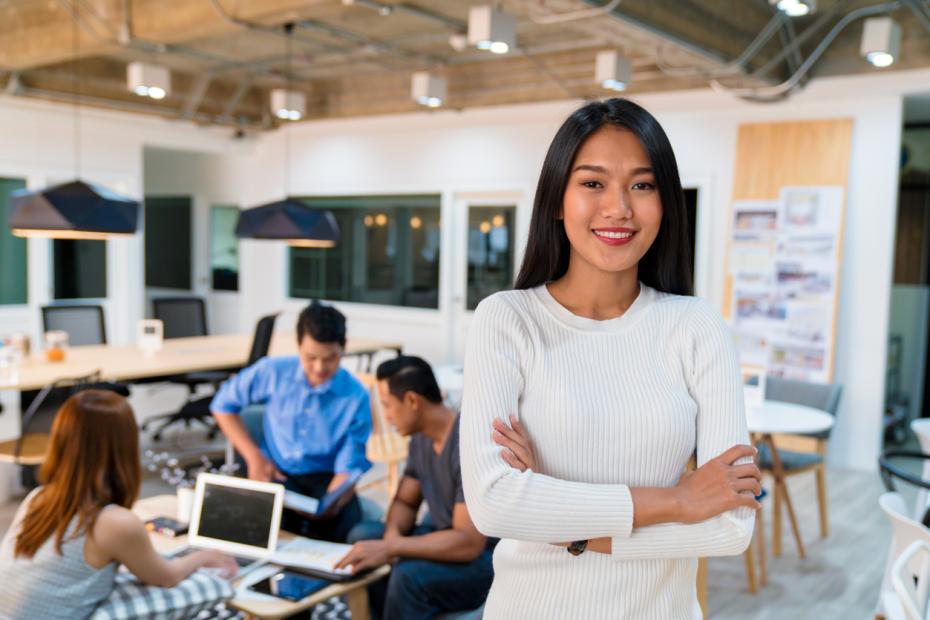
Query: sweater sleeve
[(713, 376), (502, 501)]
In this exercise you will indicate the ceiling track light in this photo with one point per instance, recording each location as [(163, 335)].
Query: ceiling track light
[(491, 29), (881, 41), (427, 89), (795, 8), (148, 80), (612, 70), (288, 105)]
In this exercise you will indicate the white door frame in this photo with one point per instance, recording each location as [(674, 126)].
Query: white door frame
[(458, 318)]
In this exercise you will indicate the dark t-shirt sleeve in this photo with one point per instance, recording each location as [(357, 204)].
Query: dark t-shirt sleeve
[(457, 474), (413, 452)]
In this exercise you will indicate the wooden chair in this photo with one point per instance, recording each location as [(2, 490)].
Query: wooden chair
[(800, 454), (385, 445)]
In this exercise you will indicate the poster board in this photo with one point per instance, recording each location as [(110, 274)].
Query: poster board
[(784, 246)]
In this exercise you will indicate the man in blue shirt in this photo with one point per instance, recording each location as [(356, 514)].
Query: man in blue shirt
[(316, 423)]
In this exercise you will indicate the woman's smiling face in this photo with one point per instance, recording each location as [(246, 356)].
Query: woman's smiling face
[(611, 207)]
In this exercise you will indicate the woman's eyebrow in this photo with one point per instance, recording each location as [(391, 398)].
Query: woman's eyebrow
[(590, 167)]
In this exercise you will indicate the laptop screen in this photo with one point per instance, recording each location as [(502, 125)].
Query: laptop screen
[(236, 515)]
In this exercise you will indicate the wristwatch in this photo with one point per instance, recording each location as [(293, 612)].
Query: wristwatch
[(578, 547)]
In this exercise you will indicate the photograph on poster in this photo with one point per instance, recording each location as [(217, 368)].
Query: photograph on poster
[(753, 348), (807, 322), (759, 304), (797, 278), (755, 220), (819, 247), (787, 356), (807, 209)]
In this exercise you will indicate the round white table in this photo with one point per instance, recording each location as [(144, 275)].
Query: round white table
[(772, 417), (780, 418)]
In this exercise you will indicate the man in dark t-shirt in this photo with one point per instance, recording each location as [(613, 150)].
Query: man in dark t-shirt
[(443, 564)]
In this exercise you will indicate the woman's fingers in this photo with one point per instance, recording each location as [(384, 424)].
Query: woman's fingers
[(748, 484), (749, 470), (519, 451), (736, 453), (512, 435), (512, 460)]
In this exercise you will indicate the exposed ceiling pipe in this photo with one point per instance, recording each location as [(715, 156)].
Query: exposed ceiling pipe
[(124, 106), (795, 45), (780, 91), (152, 47), (692, 48), (561, 18), (736, 66), (387, 9), (315, 26), (920, 11)]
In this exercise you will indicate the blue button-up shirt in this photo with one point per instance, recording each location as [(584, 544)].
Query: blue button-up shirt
[(308, 429)]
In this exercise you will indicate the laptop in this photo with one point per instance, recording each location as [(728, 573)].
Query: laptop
[(243, 517)]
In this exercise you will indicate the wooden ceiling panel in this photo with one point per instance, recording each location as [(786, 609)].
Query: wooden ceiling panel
[(225, 55)]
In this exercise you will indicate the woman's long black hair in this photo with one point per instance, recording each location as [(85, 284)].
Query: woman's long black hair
[(666, 265)]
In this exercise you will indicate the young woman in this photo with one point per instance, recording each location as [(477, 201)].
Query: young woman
[(618, 376), (59, 557)]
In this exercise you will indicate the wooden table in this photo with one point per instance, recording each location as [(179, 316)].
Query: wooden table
[(780, 418), (260, 606), (178, 356)]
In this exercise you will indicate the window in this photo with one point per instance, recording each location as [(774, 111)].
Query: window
[(12, 250), (80, 268), (490, 252), (388, 253), (168, 242), (224, 248)]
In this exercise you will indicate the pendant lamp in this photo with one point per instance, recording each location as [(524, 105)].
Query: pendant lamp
[(73, 210), (289, 219)]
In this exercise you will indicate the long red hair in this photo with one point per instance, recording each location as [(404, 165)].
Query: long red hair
[(92, 461)]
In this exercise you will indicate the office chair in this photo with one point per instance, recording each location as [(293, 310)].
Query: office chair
[(198, 410), (183, 317), (83, 323)]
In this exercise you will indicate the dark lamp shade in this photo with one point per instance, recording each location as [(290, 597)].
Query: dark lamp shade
[(289, 220), (74, 210)]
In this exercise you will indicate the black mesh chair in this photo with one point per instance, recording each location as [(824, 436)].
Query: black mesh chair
[(83, 323), (198, 409), (184, 317)]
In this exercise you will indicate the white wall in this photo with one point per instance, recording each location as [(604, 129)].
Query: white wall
[(37, 144), (501, 149), (210, 179)]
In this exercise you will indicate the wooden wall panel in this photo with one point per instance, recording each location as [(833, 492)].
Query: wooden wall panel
[(772, 155)]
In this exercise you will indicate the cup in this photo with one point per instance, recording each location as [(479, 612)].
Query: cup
[(56, 343), (185, 504)]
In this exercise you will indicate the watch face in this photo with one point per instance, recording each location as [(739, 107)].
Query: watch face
[(578, 547)]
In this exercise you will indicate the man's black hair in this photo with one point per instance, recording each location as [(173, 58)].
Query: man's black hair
[(408, 373), (322, 323)]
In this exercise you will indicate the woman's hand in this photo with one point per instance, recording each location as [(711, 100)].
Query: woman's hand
[(719, 486), (214, 559), (516, 450)]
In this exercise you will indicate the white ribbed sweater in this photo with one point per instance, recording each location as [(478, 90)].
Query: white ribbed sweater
[(609, 405)]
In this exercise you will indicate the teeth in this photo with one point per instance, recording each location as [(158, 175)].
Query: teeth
[(613, 235)]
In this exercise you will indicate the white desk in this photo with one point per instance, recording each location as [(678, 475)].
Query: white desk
[(263, 607), (779, 418)]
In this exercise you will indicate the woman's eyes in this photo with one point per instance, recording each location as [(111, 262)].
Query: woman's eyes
[(643, 185)]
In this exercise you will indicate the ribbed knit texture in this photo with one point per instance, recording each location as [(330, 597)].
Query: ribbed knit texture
[(609, 405)]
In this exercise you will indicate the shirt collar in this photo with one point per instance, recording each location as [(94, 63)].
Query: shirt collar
[(323, 388)]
